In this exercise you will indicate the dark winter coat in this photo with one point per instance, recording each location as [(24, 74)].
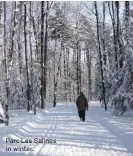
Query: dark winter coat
[(82, 103)]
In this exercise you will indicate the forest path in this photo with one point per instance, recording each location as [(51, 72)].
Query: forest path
[(100, 135)]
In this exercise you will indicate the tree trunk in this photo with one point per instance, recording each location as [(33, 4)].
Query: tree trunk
[(36, 38), (89, 74), (45, 53), (112, 15), (56, 81), (65, 75), (103, 38), (42, 55), (31, 64), (26, 58), (6, 72), (119, 45), (20, 45), (100, 56), (77, 72)]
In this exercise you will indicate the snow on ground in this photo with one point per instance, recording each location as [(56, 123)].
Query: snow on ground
[(100, 135)]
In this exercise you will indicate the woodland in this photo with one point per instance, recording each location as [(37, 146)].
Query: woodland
[(51, 51)]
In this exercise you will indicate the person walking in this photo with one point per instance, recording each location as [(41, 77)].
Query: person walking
[(82, 106)]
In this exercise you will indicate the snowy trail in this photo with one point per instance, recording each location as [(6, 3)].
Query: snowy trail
[(100, 135)]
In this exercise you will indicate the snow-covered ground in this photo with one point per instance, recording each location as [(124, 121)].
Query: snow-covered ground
[(100, 135)]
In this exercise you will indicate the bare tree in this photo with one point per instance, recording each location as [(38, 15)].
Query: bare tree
[(118, 35), (31, 59), (42, 55), (103, 36), (20, 59), (6, 72), (112, 15), (26, 58), (100, 56), (88, 56), (45, 50)]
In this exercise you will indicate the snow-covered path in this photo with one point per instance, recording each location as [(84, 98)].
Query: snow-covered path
[(100, 135)]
